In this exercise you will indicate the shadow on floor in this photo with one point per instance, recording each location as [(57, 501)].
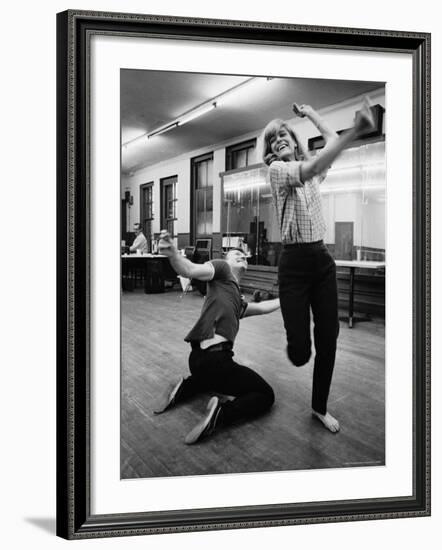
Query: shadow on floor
[(46, 524)]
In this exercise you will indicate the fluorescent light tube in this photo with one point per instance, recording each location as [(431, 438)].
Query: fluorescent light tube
[(195, 113), (162, 130)]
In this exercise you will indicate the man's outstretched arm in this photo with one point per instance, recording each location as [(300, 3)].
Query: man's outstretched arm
[(261, 308), (183, 266)]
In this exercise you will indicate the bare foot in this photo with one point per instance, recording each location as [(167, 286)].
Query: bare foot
[(328, 420)]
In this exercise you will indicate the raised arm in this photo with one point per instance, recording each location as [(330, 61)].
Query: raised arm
[(260, 308), (316, 165), (183, 266), (307, 111)]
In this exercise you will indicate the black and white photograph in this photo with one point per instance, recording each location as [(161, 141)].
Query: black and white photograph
[(222, 266), (243, 255), (253, 264)]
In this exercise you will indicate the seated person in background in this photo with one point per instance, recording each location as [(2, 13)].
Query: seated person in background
[(140, 242), (211, 364)]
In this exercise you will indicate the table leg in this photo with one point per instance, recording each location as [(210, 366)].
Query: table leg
[(147, 282), (154, 277), (351, 297)]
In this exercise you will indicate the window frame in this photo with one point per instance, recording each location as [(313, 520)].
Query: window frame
[(169, 181), (194, 162), (145, 220), (247, 145)]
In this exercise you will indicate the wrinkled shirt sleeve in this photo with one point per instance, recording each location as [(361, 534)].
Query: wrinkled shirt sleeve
[(284, 175), (321, 177), (221, 269)]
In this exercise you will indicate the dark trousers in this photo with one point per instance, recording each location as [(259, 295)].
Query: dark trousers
[(216, 371), (307, 280)]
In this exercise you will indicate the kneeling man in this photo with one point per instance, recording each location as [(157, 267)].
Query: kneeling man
[(211, 364)]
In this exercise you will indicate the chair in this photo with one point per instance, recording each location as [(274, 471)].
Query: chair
[(189, 252), (203, 251)]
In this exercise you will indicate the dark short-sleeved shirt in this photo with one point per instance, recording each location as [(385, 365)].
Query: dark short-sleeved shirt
[(223, 306)]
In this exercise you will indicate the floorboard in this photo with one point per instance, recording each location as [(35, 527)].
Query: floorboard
[(154, 356)]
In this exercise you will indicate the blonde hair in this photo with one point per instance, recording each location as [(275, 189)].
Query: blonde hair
[(270, 131)]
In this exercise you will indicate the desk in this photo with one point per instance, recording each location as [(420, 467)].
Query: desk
[(156, 269), (352, 265)]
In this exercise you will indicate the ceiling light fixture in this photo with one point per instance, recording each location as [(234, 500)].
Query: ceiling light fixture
[(186, 117), (162, 130), (239, 88), (196, 112)]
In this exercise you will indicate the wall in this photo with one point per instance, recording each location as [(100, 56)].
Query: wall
[(219, 165), (174, 167), (27, 405), (181, 166), (369, 220), (373, 228), (339, 116)]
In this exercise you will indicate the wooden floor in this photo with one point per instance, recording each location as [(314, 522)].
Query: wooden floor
[(154, 356)]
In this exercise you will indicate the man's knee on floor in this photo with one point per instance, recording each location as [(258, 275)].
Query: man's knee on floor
[(270, 397), (299, 359), (266, 397)]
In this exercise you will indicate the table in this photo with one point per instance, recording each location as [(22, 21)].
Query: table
[(156, 269), (352, 265)]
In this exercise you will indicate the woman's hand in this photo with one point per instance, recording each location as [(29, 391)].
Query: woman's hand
[(302, 110), (364, 119)]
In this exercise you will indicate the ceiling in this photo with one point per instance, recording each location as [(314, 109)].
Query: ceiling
[(151, 99)]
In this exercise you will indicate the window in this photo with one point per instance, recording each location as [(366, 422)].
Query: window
[(240, 155), (353, 203), (146, 209), (355, 191), (248, 218), (168, 204), (202, 191)]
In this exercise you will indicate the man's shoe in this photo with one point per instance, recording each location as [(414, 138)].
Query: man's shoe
[(170, 398), (207, 425)]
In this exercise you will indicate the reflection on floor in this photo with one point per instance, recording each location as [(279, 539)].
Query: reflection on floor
[(288, 438)]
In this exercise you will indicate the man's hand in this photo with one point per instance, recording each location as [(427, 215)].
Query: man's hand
[(165, 244), (183, 266)]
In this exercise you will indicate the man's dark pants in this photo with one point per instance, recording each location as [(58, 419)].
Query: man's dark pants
[(216, 371)]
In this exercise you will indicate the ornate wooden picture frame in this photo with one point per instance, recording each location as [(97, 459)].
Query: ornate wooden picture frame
[(75, 516)]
